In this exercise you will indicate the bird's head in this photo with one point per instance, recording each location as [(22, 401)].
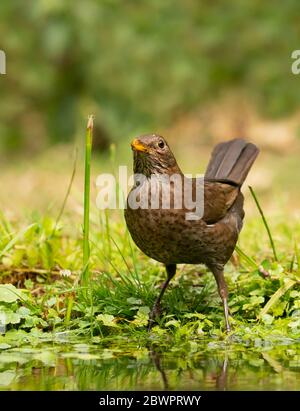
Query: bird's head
[(152, 155)]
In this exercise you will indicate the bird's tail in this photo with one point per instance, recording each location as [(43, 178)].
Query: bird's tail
[(231, 161)]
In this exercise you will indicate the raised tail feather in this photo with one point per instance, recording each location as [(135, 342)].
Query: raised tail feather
[(231, 161)]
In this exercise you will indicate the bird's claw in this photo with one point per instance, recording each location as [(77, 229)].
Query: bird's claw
[(228, 330)]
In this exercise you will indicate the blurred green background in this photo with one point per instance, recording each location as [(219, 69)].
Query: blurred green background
[(195, 71), (138, 65)]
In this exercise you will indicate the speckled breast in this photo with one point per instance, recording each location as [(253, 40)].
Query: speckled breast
[(167, 236)]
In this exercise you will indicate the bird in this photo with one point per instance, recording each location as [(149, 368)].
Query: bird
[(165, 234)]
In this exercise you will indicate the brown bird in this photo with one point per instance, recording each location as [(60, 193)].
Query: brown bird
[(165, 233)]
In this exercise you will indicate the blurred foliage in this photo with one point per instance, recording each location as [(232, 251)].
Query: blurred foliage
[(138, 64)]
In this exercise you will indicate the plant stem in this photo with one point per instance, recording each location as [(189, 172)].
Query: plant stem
[(87, 190), (265, 222), (66, 196), (250, 261)]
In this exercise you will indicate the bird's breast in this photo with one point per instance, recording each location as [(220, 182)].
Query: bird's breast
[(167, 235)]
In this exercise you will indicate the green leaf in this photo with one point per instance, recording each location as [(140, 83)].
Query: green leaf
[(23, 312), (267, 319), (195, 315), (9, 293), (107, 319), (295, 324), (7, 358), (9, 317), (51, 302), (4, 346), (142, 317), (279, 308), (144, 311), (14, 338), (294, 294), (276, 296), (29, 284), (175, 323), (254, 302), (134, 301)]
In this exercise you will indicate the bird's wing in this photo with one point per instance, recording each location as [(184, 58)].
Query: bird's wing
[(218, 199)]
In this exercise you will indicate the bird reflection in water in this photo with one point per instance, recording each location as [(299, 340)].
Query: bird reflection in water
[(219, 375)]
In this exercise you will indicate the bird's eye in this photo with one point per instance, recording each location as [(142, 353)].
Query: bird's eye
[(161, 144)]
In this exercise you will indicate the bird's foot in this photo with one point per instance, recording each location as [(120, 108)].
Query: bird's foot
[(228, 325), (154, 313)]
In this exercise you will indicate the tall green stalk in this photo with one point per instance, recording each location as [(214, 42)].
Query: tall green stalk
[(87, 189), (66, 196), (265, 222)]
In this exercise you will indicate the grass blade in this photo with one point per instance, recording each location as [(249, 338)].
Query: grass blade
[(67, 194), (15, 239), (248, 260), (264, 221), (87, 190)]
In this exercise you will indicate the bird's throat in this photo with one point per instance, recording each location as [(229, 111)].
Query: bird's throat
[(148, 165)]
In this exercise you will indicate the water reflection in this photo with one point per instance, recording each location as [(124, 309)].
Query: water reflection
[(221, 380), (220, 374), (156, 358), (82, 367)]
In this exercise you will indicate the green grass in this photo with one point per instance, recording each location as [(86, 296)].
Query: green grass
[(91, 282), (124, 284), (87, 199)]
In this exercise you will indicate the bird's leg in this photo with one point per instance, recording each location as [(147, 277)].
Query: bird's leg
[(223, 291), (171, 270)]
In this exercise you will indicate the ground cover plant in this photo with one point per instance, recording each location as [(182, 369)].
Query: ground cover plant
[(62, 284)]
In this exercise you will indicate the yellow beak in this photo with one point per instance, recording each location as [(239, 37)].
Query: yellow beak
[(138, 146)]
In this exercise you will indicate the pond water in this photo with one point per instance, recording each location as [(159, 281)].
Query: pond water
[(88, 367)]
